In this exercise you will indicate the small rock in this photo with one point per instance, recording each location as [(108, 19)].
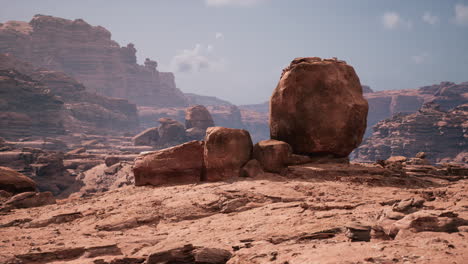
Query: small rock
[(111, 160), (252, 169), (358, 232)]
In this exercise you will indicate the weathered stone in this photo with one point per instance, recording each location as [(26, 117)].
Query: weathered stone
[(30, 199), (252, 169), (396, 159), (111, 160), (226, 151), (211, 255), (272, 154), (76, 151), (358, 232), (318, 108), (122, 77), (195, 133), (198, 117), (15, 182), (171, 132), (420, 155), (189, 254), (442, 135), (424, 221), (179, 164), (148, 137)]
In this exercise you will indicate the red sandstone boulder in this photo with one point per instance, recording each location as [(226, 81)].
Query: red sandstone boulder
[(30, 199), (171, 132), (179, 164), (318, 107), (272, 154), (226, 151), (149, 137), (199, 117), (15, 182)]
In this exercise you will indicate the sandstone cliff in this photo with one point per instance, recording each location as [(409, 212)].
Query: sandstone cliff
[(79, 109), (89, 55), (27, 108)]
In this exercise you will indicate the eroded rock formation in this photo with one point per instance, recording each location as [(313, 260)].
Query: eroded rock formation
[(80, 110), (88, 54), (27, 108), (318, 107), (384, 104), (442, 135)]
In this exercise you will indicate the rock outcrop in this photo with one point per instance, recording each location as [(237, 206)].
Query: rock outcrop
[(148, 137), (198, 117), (27, 108), (384, 104), (80, 111), (318, 108), (197, 120), (442, 135), (171, 132), (88, 54), (15, 182), (179, 164), (226, 151)]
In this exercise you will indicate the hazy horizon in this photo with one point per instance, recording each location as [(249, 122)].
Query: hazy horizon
[(236, 49)]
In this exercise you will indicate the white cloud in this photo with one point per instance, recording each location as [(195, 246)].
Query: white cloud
[(393, 20), (197, 59), (233, 2), (461, 14), (430, 19), (219, 35), (420, 59)]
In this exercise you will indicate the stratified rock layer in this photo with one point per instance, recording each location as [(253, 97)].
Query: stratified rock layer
[(88, 54), (318, 107), (442, 135), (27, 108), (80, 111)]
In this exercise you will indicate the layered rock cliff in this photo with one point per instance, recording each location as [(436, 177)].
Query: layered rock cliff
[(79, 110), (27, 108), (384, 104), (441, 134), (88, 54)]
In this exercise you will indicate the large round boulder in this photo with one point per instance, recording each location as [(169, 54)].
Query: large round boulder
[(318, 107), (226, 151), (15, 182), (179, 164), (198, 116)]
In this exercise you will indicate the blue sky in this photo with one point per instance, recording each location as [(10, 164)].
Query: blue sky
[(236, 49)]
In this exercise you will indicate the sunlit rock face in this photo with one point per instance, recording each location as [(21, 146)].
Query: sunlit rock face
[(88, 54), (318, 107)]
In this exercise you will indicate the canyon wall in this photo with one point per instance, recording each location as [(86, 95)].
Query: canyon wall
[(75, 109), (441, 134), (88, 54)]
